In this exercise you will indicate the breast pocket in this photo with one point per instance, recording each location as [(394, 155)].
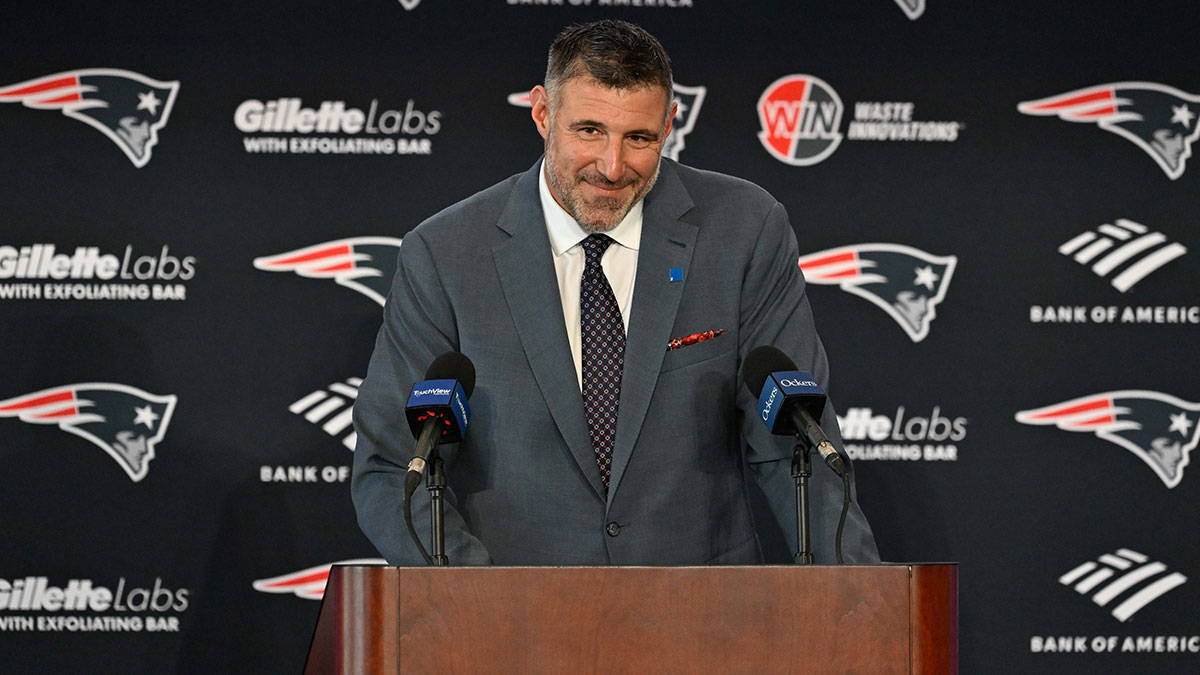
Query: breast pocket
[(720, 346)]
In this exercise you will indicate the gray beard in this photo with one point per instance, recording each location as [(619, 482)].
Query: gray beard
[(572, 207)]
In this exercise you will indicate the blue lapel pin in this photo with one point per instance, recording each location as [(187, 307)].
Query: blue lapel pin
[(675, 274)]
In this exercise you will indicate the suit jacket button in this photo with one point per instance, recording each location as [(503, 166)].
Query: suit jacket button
[(613, 529)]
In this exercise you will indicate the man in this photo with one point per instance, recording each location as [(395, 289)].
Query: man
[(591, 442)]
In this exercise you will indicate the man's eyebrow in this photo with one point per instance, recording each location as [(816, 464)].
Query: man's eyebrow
[(586, 123), (579, 124)]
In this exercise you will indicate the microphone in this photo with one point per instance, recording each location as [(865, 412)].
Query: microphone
[(437, 409), (789, 400)]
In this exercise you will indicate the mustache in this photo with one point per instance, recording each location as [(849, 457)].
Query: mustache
[(597, 178)]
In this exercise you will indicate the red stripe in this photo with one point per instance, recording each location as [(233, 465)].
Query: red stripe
[(66, 412), (1082, 407), (315, 255), (69, 98), (839, 275), (337, 268), (298, 581), (1106, 419), (56, 397), (835, 258), (1099, 95), (1110, 110), (70, 81)]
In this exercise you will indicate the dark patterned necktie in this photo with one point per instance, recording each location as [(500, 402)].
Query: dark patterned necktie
[(603, 352)]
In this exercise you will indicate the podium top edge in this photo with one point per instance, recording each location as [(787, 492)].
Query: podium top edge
[(660, 567)]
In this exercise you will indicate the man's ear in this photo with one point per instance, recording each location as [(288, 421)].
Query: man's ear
[(670, 120), (540, 100)]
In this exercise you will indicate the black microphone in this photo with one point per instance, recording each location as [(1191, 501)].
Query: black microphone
[(437, 409), (789, 400)]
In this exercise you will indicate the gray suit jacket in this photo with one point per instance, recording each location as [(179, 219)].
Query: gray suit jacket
[(696, 478)]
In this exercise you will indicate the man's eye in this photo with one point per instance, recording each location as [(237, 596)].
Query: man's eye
[(588, 132), (640, 142)]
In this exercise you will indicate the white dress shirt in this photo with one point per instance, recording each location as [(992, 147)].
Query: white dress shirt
[(619, 263)]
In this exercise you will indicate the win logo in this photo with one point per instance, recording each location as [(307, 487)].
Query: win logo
[(334, 407), (1144, 249), (1135, 568)]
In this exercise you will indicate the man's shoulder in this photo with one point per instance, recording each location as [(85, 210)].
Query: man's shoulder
[(707, 187), (470, 216), (720, 200)]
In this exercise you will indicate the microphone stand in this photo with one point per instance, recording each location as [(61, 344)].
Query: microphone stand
[(801, 471), (435, 483)]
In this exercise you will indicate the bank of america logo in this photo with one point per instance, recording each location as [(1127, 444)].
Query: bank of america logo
[(1139, 253), (333, 409), (1135, 571)]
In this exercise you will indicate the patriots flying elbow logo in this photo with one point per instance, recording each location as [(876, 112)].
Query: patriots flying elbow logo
[(912, 8), (124, 421), (365, 264), (128, 107), (1159, 428), (308, 584), (1160, 119), (688, 99), (903, 281)]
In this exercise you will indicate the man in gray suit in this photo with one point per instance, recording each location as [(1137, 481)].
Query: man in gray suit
[(599, 435)]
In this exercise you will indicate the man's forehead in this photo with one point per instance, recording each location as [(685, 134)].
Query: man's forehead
[(580, 94)]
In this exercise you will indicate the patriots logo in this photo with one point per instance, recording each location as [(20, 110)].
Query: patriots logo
[(913, 8), (127, 107), (1158, 118), (903, 281), (409, 4), (689, 100), (365, 264), (308, 584), (123, 421), (1159, 428)]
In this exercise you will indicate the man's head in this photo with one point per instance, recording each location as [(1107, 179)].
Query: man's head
[(604, 112)]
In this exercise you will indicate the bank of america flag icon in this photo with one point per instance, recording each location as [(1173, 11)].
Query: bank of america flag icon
[(1126, 577), (333, 409), (1125, 251)]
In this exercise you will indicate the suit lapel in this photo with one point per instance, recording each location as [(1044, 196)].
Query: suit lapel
[(667, 243), (525, 266)]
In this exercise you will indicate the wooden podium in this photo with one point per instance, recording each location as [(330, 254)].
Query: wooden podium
[(821, 619)]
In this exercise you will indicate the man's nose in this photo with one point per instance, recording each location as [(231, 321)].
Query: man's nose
[(611, 162)]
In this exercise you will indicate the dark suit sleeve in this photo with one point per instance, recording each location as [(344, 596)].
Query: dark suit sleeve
[(775, 311), (418, 325)]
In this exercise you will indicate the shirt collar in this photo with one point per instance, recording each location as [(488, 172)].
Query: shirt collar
[(565, 232)]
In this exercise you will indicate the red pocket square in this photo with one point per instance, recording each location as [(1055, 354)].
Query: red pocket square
[(692, 339)]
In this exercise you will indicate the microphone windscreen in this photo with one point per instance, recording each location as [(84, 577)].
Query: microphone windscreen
[(453, 366), (761, 362)]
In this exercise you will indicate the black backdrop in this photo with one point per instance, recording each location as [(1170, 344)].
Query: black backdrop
[(261, 362)]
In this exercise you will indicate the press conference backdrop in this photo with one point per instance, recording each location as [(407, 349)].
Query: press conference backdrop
[(997, 212)]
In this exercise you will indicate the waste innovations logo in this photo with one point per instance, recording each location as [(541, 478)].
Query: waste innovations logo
[(1122, 253), (365, 264), (1122, 583), (913, 9), (83, 605), (128, 107), (1159, 119), (123, 421), (333, 409), (801, 119), (687, 100), (1159, 429), (903, 281), (287, 125), (902, 436), (43, 272), (308, 584), (667, 4)]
